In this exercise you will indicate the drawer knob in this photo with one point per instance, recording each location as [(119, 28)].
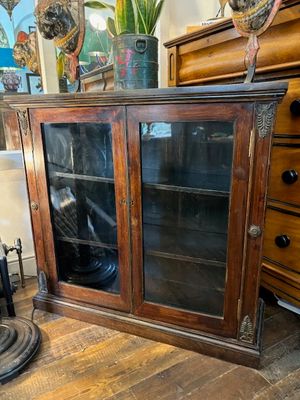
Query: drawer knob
[(290, 176), (295, 107), (282, 241)]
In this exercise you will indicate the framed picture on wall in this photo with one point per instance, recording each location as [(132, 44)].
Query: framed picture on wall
[(34, 83)]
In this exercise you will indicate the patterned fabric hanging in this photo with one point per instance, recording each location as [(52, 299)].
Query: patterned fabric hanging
[(3, 38), (9, 5)]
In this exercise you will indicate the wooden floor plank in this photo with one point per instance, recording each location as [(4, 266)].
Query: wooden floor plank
[(70, 368), (81, 361), (286, 389), (69, 344), (281, 368), (120, 373), (177, 381), (240, 383)]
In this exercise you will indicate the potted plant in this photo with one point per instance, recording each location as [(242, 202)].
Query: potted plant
[(135, 49)]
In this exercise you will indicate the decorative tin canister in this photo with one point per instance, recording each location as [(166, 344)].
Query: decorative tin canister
[(135, 61)]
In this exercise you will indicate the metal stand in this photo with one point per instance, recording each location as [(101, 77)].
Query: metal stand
[(19, 337)]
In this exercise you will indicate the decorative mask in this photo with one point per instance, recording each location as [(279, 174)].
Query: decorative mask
[(63, 21), (25, 51), (251, 18)]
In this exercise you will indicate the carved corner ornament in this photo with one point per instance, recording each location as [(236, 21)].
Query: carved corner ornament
[(23, 121), (247, 330), (42, 282), (265, 115)]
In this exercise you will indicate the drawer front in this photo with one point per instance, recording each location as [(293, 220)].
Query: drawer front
[(284, 284), (284, 184), (286, 121), (282, 239)]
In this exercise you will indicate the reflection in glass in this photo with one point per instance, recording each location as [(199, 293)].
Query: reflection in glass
[(79, 166), (186, 178)]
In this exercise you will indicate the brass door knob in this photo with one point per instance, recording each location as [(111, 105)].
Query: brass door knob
[(254, 231), (34, 206)]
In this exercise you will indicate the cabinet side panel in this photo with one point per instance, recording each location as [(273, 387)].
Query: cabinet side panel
[(256, 221)]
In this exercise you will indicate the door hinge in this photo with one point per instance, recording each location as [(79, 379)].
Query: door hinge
[(127, 202)]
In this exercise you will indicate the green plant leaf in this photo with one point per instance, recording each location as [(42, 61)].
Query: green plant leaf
[(111, 27), (155, 16), (124, 17), (141, 16), (99, 5)]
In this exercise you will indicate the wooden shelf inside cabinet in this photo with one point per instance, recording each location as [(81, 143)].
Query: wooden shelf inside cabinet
[(87, 242), (184, 189), (140, 217), (70, 175), (184, 243)]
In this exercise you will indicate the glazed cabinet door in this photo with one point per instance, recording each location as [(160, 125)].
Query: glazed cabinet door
[(190, 167), (80, 169)]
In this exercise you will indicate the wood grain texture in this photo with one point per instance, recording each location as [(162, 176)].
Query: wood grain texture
[(202, 56), (284, 158), (215, 54), (98, 79), (9, 128), (233, 104), (114, 116), (286, 122), (79, 360), (273, 91), (279, 225)]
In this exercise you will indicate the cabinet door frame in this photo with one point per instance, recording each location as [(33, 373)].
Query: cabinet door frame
[(116, 117), (242, 116)]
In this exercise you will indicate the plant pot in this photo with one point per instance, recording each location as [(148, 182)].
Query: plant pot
[(135, 61)]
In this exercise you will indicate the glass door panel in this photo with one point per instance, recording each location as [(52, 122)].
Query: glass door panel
[(186, 181), (80, 176)]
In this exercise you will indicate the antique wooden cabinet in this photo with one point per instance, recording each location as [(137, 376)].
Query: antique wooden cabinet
[(215, 55), (148, 210), (9, 131)]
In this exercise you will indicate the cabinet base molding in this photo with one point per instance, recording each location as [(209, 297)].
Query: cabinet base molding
[(223, 348)]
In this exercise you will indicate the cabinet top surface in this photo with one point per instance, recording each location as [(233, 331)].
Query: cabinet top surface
[(218, 26), (267, 91)]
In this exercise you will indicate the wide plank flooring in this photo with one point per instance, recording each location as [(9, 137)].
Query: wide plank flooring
[(78, 360)]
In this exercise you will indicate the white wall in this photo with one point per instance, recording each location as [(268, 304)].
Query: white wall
[(14, 210), (176, 16)]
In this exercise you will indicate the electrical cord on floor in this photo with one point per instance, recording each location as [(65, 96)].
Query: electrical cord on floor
[(32, 313)]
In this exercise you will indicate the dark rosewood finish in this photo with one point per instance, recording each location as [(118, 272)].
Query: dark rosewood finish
[(190, 170)]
